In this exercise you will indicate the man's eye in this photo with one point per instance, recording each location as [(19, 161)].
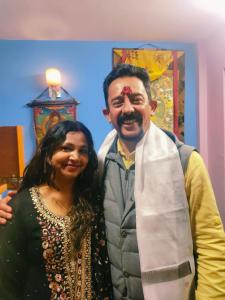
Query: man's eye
[(137, 100), (117, 103)]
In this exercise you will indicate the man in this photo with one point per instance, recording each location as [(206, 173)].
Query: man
[(156, 216)]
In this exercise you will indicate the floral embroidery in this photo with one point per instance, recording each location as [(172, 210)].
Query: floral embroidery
[(68, 273)]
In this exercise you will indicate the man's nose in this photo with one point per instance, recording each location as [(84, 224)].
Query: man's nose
[(127, 106)]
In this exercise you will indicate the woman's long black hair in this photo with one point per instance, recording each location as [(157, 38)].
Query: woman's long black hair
[(39, 171)]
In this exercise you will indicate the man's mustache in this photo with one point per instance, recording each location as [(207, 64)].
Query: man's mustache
[(127, 117)]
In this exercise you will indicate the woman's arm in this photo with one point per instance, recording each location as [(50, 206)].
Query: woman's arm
[(100, 261)]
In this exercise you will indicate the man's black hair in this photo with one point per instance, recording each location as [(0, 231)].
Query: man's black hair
[(126, 70)]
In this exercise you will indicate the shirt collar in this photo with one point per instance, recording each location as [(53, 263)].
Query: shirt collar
[(127, 159)]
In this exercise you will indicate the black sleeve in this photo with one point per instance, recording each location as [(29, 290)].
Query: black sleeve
[(13, 253), (101, 275)]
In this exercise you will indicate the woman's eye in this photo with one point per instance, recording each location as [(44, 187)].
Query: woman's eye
[(66, 149), (84, 151)]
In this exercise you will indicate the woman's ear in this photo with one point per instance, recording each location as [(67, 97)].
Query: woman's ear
[(48, 160)]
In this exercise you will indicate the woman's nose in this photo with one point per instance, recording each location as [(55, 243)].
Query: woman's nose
[(74, 155)]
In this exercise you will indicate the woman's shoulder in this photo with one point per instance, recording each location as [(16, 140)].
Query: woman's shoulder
[(22, 199)]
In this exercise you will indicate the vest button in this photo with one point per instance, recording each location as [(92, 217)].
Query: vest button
[(124, 294), (123, 233), (125, 274)]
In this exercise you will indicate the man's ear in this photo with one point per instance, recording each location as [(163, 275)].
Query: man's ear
[(106, 113), (153, 105)]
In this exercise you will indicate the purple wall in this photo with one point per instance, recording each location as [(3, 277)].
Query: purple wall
[(212, 112)]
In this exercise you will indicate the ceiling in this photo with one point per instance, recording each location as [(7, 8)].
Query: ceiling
[(128, 20)]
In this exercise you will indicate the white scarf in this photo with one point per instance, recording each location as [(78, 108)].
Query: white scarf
[(162, 219)]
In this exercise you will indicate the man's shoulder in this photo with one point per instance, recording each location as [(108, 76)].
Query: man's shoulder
[(21, 200), (184, 150)]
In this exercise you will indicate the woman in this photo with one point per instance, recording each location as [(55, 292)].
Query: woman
[(54, 247)]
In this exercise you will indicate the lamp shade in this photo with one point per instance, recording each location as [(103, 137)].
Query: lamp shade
[(53, 77)]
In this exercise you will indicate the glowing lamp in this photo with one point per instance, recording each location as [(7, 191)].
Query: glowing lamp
[(53, 79)]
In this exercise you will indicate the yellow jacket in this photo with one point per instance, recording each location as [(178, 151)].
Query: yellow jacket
[(207, 231)]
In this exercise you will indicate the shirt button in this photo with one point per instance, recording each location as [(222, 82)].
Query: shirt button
[(124, 294), (123, 233), (125, 274)]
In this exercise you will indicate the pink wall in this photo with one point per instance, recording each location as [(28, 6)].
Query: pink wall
[(211, 56)]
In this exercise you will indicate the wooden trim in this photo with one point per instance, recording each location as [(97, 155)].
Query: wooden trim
[(3, 188), (20, 145)]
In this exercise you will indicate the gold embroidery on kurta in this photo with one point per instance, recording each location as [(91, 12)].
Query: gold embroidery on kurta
[(68, 272)]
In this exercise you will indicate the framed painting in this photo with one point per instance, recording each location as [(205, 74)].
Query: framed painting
[(47, 113)]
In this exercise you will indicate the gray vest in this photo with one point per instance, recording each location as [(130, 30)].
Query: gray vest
[(120, 218)]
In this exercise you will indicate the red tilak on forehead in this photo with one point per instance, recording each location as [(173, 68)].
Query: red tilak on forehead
[(126, 91)]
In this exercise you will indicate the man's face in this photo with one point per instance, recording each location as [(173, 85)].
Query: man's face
[(129, 108)]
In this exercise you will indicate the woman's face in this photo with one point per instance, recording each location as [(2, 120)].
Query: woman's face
[(71, 158)]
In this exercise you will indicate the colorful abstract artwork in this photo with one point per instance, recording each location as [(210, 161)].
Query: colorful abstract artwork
[(166, 71)]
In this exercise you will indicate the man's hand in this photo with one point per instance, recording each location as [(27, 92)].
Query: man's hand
[(5, 209)]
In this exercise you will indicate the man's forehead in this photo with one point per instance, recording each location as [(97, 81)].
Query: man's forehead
[(126, 86), (126, 90)]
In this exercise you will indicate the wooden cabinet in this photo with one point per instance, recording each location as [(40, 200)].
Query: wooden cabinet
[(11, 155)]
